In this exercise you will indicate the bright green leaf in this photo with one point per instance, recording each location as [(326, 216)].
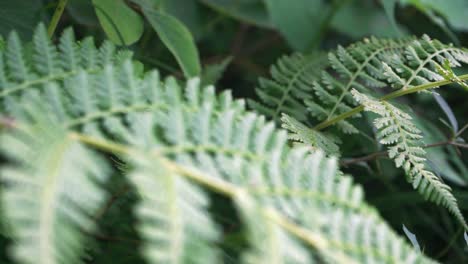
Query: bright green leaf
[(122, 25)]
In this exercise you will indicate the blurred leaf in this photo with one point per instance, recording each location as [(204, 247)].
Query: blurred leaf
[(389, 8), (362, 18), (2, 43), (249, 11), (466, 238), (175, 36), (447, 110), (454, 11), (83, 12), (213, 72), (122, 25), (21, 16), (294, 20), (187, 12), (412, 238)]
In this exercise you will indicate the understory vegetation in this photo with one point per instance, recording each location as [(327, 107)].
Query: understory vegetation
[(234, 131)]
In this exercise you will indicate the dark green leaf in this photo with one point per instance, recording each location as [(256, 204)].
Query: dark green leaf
[(122, 25), (249, 11), (175, 36), (299, 22)]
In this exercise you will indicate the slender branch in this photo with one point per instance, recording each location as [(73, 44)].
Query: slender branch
[(460, 132), (56, 17), (387, 97)]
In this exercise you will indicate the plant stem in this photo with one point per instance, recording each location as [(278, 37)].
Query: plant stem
[(387, 97), (56, 17)]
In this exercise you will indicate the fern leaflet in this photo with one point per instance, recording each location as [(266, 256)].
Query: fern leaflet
[(396, 129)]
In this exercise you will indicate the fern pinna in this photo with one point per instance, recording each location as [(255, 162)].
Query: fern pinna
[(178, 144)]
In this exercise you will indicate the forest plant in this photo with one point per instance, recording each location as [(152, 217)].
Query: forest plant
[(408, 65), (64, 108)]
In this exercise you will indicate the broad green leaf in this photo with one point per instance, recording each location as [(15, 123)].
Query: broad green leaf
[(83, 12), (362, 18), (21, 16), (187, 11), (454, 11), (249, 11), (122, 25), (299, 21), (175, 36)]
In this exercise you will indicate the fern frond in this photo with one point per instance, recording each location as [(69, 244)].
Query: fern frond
[(309, 137), (420, 62), (396, 129), (359, 67), (291, 82), (373, 63), (218, 137), (173, 217), (447, 73), (22, 71), (190, 139), (50, 193), (270, 242)]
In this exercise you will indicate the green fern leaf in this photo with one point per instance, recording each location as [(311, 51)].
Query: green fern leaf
[(292, 78), (52, 193), (396, 129), (310, 137), (173, 219)]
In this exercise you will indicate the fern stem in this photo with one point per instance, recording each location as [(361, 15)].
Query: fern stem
[(387, 97), (56, 17)]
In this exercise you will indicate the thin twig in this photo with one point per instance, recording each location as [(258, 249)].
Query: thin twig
[(375, 155), (56, 17)]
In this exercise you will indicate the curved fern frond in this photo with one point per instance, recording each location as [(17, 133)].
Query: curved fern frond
[(291, 82), (50, 193), (396, 129)]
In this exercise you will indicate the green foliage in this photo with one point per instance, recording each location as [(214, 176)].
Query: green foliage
[(395, 128), (52, 193), (175, 36), (105, 160), (122, 25), (188, 142), (292, 78)]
